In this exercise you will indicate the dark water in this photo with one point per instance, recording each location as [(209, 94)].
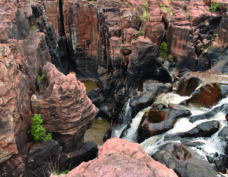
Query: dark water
[(96, 133)]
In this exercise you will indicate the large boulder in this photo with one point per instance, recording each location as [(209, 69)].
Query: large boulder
[(118, 157), (184, 161), (158, 120)]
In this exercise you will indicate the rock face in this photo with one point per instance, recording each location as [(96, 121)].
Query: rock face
[(119, 157), (27, 42)]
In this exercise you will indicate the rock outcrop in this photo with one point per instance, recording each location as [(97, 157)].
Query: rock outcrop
[(118, 157), (27, 42)]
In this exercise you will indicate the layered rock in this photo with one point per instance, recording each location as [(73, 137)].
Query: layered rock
[(28, 42), (63, 104), (119, 157)]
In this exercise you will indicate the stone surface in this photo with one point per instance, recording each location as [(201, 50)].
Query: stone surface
[(206, 96), (184, 161), (119, 157), (158, 120)]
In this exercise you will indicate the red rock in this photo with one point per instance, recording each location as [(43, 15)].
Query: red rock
[(206, 96), (118, 157), (63, 104)]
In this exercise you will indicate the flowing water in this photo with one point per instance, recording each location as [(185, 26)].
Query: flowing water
[(209, 145)]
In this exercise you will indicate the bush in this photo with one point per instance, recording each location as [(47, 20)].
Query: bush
[(145, 16), (163, 50), (214, 6), (37, 130), (141, 33)]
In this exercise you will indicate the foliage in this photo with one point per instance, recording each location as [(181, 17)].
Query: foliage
[(163, 50), (65, 172), (214, 37), (187, 14), (34, 27), (214, 6), (163, 6), (206, 46), (141, 33), (127, 4), (145, 5), (37, 130), (39, 78), (145, 16), (171, 59)]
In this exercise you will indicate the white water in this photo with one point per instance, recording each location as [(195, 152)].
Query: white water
[(211, 145)]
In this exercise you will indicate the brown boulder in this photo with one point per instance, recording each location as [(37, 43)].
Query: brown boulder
[(206, 96), (118, 157), (158, 120)]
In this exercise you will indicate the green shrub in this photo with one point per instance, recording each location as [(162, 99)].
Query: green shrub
[(171, 59), (163, 50), (39, 78), (187, 14), (37, 130), (214, 6), (65, 172), (145, 5), (141, 33), (166, 8), (206, 46), (145, 16), (214, 37)]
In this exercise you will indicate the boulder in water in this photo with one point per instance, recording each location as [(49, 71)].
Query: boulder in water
[(183, 161), (187, 84), (206, 96), (158, 120)]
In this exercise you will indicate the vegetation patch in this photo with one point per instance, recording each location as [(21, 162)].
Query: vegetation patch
[(214, 6), (163, 50), (164, 7), (37, 130), (187, 14), (145, 5), (145, 16), (39, 78), (141, 33)]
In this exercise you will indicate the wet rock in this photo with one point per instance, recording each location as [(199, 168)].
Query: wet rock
[(205, 129), (183, 161), (223, 108), (223, 134), (150, 90), (188, 84), (121, 158), (158, 120), (220, 166), (206, 96)]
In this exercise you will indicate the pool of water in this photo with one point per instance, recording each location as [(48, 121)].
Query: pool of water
[(96, 133)]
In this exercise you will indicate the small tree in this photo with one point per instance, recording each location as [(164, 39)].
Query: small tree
[(37, 130)]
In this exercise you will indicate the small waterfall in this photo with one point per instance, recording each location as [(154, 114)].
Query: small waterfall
[(125, 116)]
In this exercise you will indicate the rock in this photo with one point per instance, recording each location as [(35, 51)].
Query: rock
[(158, 120), (223, 108), (223, 134), (188, 84), (118, 157), (184, 161), (206, 129), (206, 96), (150, 90), (67, 94), (220, 166)]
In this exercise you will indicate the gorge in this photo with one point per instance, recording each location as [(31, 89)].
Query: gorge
[(160, 72)]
